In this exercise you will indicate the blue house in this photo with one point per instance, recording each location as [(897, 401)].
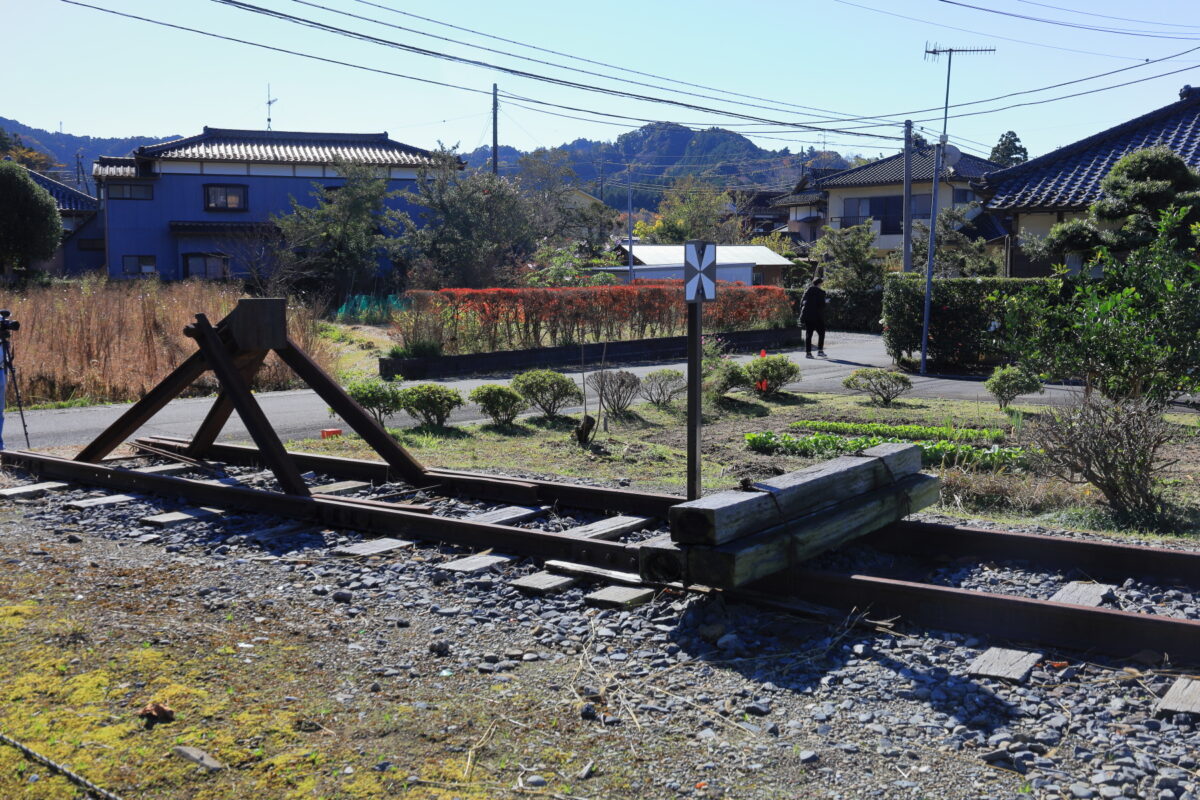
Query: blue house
[(82, 245), (193, 207)]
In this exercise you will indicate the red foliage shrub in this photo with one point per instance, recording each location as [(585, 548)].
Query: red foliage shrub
[(486, 320)]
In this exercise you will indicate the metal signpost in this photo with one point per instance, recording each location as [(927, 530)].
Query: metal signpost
[(699, 286)]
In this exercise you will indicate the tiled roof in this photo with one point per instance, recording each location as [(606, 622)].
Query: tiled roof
[(279, 147), (799, 199), (68, 198), (891, 170), (114, 167), (662, 255), (1069, 177)]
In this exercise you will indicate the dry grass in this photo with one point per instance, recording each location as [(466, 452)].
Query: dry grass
[(111, 342)]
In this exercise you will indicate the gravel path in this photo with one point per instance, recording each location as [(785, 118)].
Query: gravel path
[(732, 700)]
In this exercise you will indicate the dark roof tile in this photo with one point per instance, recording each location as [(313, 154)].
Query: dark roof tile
[(890, 170), (68, 198), (224, 144)]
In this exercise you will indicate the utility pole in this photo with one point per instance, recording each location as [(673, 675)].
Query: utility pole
[(907, 245), (270, 102), (629, 217), (936, 51), (495, 131)]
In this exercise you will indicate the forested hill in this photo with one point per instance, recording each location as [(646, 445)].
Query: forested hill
[(62, 147), (660, 153)]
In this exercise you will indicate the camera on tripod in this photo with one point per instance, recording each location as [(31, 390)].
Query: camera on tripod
[(7, 325)]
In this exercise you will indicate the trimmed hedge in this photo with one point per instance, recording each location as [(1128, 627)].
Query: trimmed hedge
[(966, 320), (858, 312)]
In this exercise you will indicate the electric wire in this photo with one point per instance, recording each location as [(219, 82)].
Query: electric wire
[(1107, 16), (1073, 25)]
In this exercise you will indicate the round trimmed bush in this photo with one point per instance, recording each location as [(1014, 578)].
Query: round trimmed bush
[(1007, 383), (883, 385), (499, 402), (380, 398), (430, 402), (768, 374), (661, 387), (547, 390)]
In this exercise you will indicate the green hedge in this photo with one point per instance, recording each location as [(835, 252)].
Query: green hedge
[(847, 311), (966, 320)]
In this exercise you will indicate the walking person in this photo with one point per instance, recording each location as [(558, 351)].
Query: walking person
[(812, 316)]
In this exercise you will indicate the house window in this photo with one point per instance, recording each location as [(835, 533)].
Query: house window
[(222, 197), (130, 191), (888, 211), (211, 266), (963, 197), (91, 244), (921, 204), (138, 265)]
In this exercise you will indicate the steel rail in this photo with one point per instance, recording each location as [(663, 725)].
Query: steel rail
[(1101, 560), (338, 512), (1023, 619)]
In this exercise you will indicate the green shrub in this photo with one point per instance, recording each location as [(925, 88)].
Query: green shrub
[(909, 432), (616, 388), (380, 398), (661, 387), (416, 349), (883, 385), (768, 374), (499, 402), (968, 320), (724, 377), (547, 390), (430, 402), (936, 453), (1007, 383)]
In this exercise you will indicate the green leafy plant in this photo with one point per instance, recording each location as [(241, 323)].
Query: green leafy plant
[(431, 403), (547, 390), (768, 374), (1009, 382), (416, 349), (882, 385), (380, 398), (661, 387), (935, 453), (499, 402), (910, 432)]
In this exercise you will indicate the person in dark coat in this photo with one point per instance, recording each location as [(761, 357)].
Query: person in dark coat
[(812, 316)]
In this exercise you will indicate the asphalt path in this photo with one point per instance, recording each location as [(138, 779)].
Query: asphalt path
[(301, 414)]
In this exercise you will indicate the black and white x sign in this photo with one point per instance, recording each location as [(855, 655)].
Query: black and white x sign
[(699, 272)]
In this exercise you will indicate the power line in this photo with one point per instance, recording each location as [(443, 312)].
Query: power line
[(1075, 25), (1106, 16), (982, 33), (309, 23)]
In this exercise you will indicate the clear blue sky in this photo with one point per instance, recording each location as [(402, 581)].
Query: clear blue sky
[(102, 75)]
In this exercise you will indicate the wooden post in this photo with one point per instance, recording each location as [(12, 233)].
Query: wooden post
[(220, 411), (695, 326), (273, 454)]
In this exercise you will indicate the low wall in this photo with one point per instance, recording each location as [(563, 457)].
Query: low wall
[(510, 361)]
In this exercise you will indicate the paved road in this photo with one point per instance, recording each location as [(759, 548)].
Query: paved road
[(301, 414)]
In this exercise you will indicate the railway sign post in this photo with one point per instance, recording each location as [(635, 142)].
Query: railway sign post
[(699, 286)]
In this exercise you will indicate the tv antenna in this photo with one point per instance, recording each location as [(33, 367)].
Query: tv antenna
[(270, 102)]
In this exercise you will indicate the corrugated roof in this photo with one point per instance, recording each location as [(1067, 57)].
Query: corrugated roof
[(662, 255), (68, 198), (114, 167), (891, 170), (1069, 177), (289, 147)]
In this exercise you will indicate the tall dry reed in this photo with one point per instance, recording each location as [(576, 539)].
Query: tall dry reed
[(112, 341)]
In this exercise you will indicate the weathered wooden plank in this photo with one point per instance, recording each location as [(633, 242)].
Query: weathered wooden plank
[(1004, 664), (474, 564), (726, 516), (165, 469), (184, 515), (594, 573), (1182, 698), (660, 560), (797, 540), (508, 514), (619, 597), (372, 547), (611, 528), (341, 487), (32, 490), (1083, 593), (103, 500), (542, 583)]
